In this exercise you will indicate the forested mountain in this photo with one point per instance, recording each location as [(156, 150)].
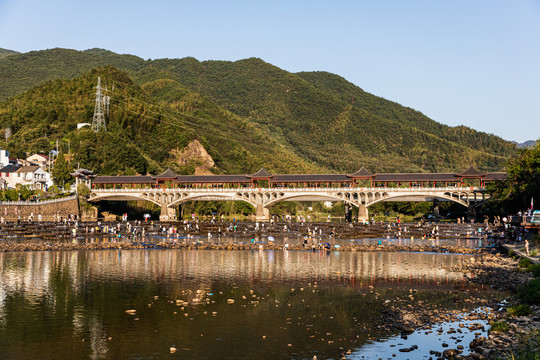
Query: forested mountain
[(246, 113), (24, 70), (142, 135), (6, 52)]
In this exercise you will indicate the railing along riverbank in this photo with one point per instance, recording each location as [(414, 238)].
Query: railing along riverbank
[(39, 202)]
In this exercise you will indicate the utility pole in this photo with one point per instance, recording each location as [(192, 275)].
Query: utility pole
[(98, 121)]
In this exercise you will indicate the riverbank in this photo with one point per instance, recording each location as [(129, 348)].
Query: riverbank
[(511, 331)]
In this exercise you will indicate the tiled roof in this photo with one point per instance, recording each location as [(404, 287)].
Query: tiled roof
[(27, 169), (167, 174), (124, 180), (212, 179), (362, 173), (10, 168), (261, 174), (311, 178), (404, 177), (471, 172)]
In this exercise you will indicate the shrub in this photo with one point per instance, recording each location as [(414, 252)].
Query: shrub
[(519, 310), (499, 326), (524, 263), (530, 292), (535, 269)]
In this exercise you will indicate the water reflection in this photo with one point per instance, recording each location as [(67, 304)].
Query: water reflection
[(208, 304)]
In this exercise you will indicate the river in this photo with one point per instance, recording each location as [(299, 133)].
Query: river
[(211, 304)]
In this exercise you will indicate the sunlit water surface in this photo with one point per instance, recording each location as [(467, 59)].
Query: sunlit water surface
[(210, 304)]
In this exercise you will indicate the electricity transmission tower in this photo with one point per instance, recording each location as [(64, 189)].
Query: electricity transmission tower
[(98, 121)]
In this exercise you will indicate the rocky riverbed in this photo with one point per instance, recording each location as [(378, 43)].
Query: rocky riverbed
[(409, 314)]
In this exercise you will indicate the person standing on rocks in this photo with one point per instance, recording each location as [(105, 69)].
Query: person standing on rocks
[(527, 246)]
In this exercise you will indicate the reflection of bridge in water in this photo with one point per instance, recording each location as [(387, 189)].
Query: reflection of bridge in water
[(196, 269), (262, 189)]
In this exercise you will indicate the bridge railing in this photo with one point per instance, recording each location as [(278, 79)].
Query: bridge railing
[(311, 189)]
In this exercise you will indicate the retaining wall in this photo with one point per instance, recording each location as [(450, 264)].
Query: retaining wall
[(12, 210)]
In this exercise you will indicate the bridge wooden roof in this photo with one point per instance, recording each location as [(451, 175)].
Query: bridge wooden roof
[(261, 174), (363, 173), (311, 178), (300, 178), (212, 179), (166, 175), (471, 172), (139, 179), (413, 177), (495, 176)]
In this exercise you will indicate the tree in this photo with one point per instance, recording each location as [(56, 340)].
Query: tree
[(61, 171), (523, 182)]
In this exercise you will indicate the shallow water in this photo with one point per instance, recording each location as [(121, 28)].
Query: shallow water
[(211, 304)]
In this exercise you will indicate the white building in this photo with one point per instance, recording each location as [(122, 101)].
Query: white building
[(34, 177), (39, 160), (4, 158)]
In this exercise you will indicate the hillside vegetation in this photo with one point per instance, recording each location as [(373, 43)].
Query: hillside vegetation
[(142, 135), (246, 114)]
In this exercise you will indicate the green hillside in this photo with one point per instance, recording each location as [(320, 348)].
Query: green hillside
[(22, 71), (351, 93), (323, 126), (6, 52), (142, 134), (246, 113)]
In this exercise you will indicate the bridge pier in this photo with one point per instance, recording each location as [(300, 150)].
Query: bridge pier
[(348, 212), (262, 213), (167, 213), (363, 214), (471, 212), (436, 207)]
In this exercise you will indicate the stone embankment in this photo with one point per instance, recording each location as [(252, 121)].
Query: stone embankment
[(48, 209)]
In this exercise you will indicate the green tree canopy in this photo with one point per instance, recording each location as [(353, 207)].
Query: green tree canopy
[(61, 171), (523, 183)]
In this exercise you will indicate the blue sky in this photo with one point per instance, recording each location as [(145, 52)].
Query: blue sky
[(473, 63)]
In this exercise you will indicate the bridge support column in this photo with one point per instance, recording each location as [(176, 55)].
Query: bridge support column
[(167, 213), (363, 214), (262, 213), (471, 212), (436, 207), (348, 212)]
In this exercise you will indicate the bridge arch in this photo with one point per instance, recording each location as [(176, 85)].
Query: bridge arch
[(394, 197), (209, 197), (121, 197), (315, 197)]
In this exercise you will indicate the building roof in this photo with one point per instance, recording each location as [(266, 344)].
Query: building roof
[(27, 169), (10, 168), (261, 174), (496, 176), (294, 178), (212, 179), (140, 179), (471, 172), (413, 177), (83, 173), (310, 178), (41, 155), (363, 173), (166, 175)]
